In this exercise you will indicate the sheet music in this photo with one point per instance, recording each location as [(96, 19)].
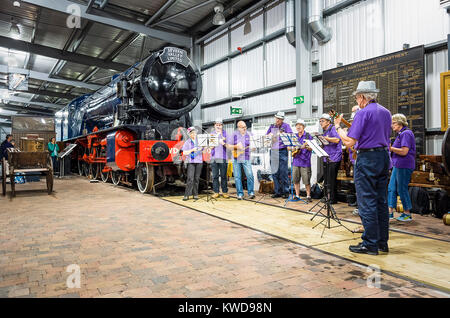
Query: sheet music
[(316, 148), (323, 140), (202, 140), (290, 140), (213, 140)]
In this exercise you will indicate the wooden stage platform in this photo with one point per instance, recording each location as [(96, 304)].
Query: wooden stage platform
[(421, 259)]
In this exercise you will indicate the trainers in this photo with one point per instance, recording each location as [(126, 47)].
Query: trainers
[(215, 196), (239, 197), (185, 198), (308, 199), (404, 217), (251, 196), (355, 212), (196, 197), (225, 195)]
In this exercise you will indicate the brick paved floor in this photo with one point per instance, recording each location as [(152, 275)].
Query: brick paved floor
[(131, 245)]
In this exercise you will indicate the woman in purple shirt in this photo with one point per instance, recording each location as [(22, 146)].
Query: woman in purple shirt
[(403, 155), (193, 155)]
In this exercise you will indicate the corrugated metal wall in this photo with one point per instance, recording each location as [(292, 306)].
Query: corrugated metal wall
[(247, 71), (216, 48), (280, 61), (415, 22), (265, 103), (239, 39), (215, 82), (357, 35), (365, 30), (275, 17), (435, 64)]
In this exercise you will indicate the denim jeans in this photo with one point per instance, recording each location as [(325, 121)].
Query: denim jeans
[(371, 180), (55, 163), (398, 185), (238, 178), (279, 169), (219, 169)]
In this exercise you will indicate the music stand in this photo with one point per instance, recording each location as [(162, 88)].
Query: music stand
[(331, 213), (62, 158), (207, 141), (291, 140)]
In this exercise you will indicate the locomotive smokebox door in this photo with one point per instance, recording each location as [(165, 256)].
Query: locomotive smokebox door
[(170, 83)]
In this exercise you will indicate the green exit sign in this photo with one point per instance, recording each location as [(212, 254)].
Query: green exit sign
[(235, 110), (299, 100)]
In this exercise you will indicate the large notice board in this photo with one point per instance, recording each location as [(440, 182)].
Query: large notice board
[(400, 77)]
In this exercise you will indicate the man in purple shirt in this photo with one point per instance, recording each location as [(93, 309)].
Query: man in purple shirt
[(301, 169), (334, 150), (239, 143), (371, 128), (219, 161), (279, 156), (404, 161), (193, 155)]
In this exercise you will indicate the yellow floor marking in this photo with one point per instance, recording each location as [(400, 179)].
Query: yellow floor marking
[(421, 259)]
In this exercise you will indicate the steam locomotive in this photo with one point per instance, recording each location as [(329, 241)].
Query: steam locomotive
[(131, 131)]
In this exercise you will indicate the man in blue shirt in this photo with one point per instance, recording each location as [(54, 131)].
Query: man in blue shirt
[(279, 156)]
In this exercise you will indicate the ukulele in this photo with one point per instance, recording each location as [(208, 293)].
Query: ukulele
[(299, 149), (333, 114), (238, 152)]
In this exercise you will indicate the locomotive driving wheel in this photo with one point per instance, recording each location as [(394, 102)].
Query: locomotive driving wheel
[(104, 175), (145, 177), (80, 167), (115, 177), (94, 170)]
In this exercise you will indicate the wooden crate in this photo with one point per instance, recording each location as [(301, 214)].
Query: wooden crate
[(29, 160)]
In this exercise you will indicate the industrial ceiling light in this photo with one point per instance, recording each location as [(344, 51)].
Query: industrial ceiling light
[(218, 18), (14, 30), (247, 26), (16, 3)]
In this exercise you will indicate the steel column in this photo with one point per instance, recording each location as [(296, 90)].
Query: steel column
[(196, 113), (303, 67)]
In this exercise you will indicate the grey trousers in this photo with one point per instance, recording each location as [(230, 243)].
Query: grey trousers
[(193, 178)]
